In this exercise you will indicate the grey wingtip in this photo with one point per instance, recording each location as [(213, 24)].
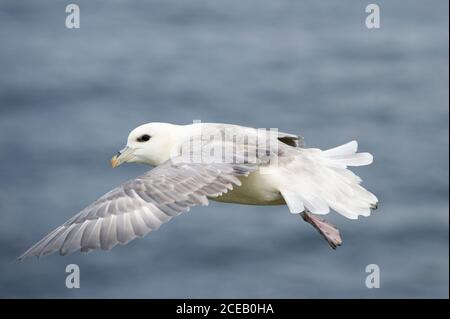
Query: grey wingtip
[(24, 256)]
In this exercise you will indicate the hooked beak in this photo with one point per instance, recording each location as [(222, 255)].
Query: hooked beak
[(122, 156)]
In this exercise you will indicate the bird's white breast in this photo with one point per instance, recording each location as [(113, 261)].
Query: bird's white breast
[(256, 189)]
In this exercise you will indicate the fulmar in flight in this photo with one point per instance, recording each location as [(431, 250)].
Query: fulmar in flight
[(222, 162)]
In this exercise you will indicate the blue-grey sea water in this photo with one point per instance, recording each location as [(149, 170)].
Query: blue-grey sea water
[(69, 97)]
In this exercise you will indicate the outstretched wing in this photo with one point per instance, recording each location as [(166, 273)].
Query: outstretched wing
[(139, 206)]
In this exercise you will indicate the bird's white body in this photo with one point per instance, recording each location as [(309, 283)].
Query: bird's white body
[(275, 170), (256, 189), (301, 177)]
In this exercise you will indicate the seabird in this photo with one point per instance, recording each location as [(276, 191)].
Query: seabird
[(222, 162)]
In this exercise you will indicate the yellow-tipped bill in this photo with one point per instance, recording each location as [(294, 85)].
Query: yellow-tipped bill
[(123, 156)]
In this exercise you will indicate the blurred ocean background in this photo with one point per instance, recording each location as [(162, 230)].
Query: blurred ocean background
[(68, 99)]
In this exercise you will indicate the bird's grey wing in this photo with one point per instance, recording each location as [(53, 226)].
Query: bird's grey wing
[(225, 143), (237, 130), (140, 206)]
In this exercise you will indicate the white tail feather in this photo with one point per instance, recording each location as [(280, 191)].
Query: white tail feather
[(319, 180), (348, 148), (345, 155)]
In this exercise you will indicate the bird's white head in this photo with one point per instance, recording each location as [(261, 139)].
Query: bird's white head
[(151, 144)]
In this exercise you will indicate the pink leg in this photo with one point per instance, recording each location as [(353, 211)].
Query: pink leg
[(327, 230)]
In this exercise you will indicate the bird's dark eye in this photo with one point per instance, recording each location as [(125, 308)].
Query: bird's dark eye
[(143, 138)]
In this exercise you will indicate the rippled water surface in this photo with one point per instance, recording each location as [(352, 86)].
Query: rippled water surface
[(68, 99)]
